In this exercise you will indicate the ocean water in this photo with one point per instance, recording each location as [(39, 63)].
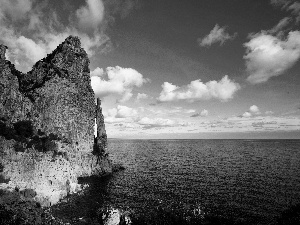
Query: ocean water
[(246, 180)]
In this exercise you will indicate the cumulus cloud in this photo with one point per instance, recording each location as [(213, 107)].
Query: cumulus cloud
[(246, 114), (203, 113), (197, 90), (121, 114), (268, 56), (31, 30), (122, 111), (272, 52), (141, 96), (217, 34), (97, 72), (116, 81), (253, 110)]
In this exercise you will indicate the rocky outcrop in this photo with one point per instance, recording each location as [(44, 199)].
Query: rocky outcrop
[(100, 146), (47, 121)]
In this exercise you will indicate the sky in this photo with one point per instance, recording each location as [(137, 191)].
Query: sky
[(173, 68)]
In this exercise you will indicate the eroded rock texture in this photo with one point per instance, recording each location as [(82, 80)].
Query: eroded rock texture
[(47, 121)]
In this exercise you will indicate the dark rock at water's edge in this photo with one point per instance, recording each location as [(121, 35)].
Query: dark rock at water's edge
[(47, 121)]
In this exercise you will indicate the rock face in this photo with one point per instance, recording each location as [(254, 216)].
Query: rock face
[(100, 146), (47, 121)]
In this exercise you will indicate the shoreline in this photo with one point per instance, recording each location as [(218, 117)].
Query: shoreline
[(16, 205)]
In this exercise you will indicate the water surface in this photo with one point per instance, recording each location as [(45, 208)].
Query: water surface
[(246, 180), (242, 178)]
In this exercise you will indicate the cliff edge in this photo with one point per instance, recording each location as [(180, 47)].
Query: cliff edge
[(47, 119)]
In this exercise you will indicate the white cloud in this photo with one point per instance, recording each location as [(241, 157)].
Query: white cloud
[(46, 32), (217, 34), (283, 23), (268, 56), (197, 90), (247, 114), (120, 114), (254, 110), (271, 53), (189, 111), (122, 111), (97, 72), (269, 112), (156, 122), (91, 15), (141, 96), (27, 51), (204, 113), (120, 81)]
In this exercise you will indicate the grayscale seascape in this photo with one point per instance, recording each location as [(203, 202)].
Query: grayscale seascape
[(248, 181), (149, 112)]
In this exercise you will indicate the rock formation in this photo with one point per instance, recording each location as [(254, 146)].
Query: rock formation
[(100, 146), (47, 121)]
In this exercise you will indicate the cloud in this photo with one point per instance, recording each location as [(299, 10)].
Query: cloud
[(195, 115), (272, 52), (122, 111), (97, 72), (253, 110), (156, 122), (116, 81), (16, 9), (282, 3), (283, 23), (246, 114), (269, 112), (121, 114), (289, 5), (149, 123), (122, 8), (91, 15), (217, 34), (203, 113), (295, 8), (268, 56), (189, 111), (197, 90), (31, 30), (141, 96)]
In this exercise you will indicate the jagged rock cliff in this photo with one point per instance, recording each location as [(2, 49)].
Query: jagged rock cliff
[(47, 121)]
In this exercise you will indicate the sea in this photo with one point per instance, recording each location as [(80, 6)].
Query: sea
[(244, 181)]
